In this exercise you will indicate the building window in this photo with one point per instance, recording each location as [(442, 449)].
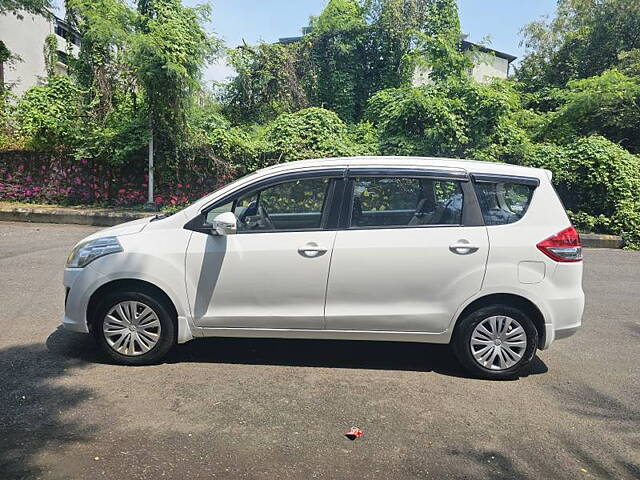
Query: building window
[(62, 29), (63, 58)]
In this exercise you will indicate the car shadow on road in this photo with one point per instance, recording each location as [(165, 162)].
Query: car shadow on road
[(370, 355)]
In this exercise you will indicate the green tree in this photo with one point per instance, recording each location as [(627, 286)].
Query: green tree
[(584, 39), (438, 42), (168, 54), (393, 24), (458, 118), (102, 69), (607, 105), (269, 81), (340, 57)]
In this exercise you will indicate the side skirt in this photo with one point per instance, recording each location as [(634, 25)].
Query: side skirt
[(388, 336)]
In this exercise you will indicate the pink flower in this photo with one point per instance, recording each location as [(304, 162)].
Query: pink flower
[(77, 180)]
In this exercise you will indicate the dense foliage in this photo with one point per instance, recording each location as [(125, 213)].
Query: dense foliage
[(343, 88), (32, 6), (584, 39), (599, 183)]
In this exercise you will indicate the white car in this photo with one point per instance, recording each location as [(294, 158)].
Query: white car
[(476, 254)]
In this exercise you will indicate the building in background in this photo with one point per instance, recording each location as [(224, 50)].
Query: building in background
[(487, 62), (24, 36)]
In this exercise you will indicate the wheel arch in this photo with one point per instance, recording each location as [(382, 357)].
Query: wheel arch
[(512, 300), (131, 285)]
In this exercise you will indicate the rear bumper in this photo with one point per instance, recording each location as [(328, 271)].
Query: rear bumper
[(566, 332), (566, 318)]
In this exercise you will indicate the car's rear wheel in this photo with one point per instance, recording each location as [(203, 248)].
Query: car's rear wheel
[(134, 328), (496, 342)]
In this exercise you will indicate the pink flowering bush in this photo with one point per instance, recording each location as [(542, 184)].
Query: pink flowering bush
[(43, 178)]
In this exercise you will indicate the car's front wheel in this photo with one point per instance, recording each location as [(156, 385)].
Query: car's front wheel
[(134, 328), (496, 342)]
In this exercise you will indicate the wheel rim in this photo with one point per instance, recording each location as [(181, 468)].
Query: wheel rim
[(498, 342), (131, 328)]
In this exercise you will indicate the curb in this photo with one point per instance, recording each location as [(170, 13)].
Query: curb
[(597, 240), (95, 217), (109, 218)]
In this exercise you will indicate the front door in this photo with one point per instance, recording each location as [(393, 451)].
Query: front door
[(273, 272), (405, 262)]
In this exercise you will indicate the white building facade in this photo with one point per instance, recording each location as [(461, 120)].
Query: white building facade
[(487, 64), (24, 35)]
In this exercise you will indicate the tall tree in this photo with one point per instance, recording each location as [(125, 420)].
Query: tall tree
[(438, 42), (394, 24), (585, 38), (169, 53), (340, 56)]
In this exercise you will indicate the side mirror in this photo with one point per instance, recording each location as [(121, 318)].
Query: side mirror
[(225, 224)]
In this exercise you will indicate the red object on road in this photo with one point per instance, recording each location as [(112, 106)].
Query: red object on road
[(354, 433)]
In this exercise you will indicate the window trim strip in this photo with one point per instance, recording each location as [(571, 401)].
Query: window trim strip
[(496, 178)]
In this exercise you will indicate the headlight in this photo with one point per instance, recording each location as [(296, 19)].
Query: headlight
[(87, 252)]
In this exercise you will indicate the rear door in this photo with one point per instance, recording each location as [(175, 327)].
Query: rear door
[(412, 249)]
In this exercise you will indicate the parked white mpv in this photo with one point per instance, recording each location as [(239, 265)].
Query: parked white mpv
[(476, 254)]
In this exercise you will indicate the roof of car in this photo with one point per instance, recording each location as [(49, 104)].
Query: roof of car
[(466, 166)]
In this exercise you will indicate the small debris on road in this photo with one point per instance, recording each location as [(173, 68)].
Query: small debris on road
[(354, 433)]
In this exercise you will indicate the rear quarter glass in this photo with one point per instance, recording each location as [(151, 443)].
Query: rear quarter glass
[(505, 202)]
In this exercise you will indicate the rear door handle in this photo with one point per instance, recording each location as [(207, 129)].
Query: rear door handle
[(463, 247), (312, 250)]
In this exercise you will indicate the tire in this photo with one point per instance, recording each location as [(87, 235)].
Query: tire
[(505, 364), (151, 340)]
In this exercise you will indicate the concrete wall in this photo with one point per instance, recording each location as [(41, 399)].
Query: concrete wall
[(485, 68), (25, 37)]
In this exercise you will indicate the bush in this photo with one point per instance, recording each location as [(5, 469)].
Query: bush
[(606, 105), (309, 133), (48, 115), (598, 182), (460, 118)]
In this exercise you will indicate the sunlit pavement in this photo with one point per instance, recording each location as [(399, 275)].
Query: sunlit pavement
[(223, 408)]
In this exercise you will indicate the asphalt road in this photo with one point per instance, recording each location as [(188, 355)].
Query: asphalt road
[(224, 408)]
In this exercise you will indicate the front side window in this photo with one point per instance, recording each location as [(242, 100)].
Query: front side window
[(291, 205), (405, 201), (503, 202)]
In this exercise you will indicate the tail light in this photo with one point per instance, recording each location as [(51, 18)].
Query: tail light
[(563, 247)]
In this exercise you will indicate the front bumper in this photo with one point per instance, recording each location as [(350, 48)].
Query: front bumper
[(80, 283)]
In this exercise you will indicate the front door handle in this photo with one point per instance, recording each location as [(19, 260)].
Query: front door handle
[(312, 250), (463, 247)]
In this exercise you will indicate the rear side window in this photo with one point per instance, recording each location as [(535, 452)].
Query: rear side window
[(405, 202), (503, 202)]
